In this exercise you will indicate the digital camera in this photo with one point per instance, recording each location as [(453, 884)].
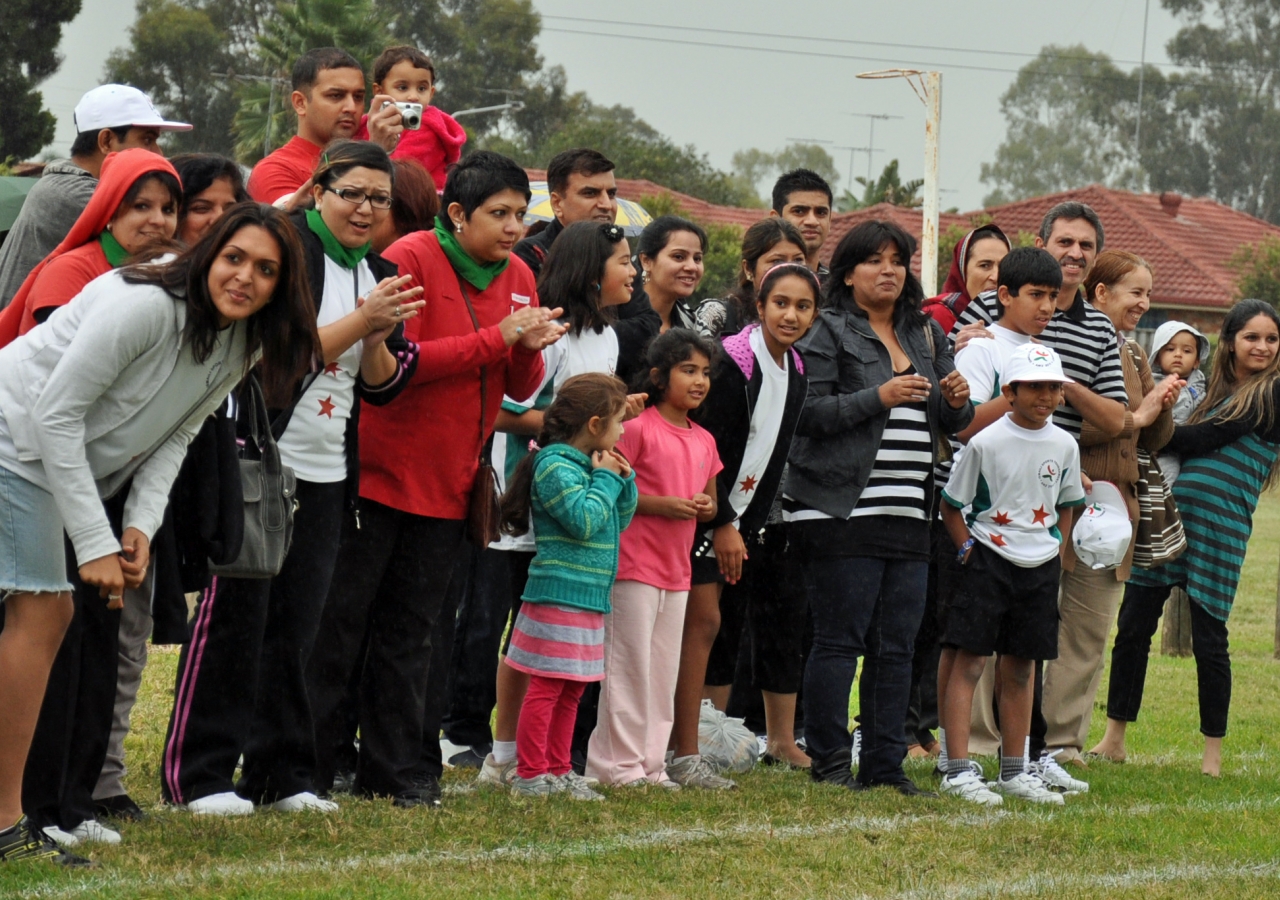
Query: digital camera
[(410, 115)]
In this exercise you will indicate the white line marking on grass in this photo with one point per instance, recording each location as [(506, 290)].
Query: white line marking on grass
[(961, 817), (1092, 884)]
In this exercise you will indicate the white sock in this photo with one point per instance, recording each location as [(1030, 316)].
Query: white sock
[(504, 751), (942, 749), (1026, 751)]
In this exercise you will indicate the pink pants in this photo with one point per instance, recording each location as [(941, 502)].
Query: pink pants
[(637, 699), (544, 733)]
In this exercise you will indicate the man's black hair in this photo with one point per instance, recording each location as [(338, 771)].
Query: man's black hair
[(1071, 209), (798, 180), (1027, 265), (308, 66), (477, 178), (86, 142), (579, 161)]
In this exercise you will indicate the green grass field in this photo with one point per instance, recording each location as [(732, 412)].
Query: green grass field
[(1153, 827)]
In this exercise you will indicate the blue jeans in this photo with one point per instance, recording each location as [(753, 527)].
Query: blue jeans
[(862, 607)]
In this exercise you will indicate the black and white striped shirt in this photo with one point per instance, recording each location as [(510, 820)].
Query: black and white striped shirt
[(900, 475), (1085, 340)]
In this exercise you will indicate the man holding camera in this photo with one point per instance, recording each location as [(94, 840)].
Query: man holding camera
[(328, 98)]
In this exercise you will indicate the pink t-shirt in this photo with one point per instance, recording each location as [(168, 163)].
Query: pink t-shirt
[(668, 462)]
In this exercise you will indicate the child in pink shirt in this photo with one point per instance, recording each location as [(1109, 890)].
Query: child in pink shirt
[(675, 462), (406, 74)]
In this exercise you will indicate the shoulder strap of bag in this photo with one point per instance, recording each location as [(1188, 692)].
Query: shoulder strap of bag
[(484, 370)]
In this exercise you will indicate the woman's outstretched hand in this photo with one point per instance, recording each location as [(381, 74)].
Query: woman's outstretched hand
[(533, 327)]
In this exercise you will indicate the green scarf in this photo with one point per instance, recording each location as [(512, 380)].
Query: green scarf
[(479, 275), (343, 256), (111, 248)]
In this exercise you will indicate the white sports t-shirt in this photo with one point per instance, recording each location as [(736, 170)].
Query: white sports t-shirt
[(1013, 479), (313, 443)]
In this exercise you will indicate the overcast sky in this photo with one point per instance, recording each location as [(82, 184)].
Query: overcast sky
[(723, 98)]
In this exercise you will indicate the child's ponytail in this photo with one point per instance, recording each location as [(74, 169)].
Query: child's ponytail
[(578, 401)]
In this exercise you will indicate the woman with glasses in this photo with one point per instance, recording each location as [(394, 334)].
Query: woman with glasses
[(480, 336), (251, 632)]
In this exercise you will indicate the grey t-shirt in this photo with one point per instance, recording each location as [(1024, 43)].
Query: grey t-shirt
[(51, 208)]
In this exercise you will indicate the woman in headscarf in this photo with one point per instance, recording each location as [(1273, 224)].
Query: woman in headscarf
[(135, 205), (975, 264)]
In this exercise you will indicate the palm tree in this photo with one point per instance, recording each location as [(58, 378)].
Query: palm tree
[(356, 26), (888, 188)]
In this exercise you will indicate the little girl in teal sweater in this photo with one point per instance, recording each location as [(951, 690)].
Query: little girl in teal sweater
[(581, 493)]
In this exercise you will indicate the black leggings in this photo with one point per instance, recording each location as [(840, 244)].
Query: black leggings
[(1139, 616)]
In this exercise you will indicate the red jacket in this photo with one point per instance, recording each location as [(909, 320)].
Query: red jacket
[(437, 144), (421, 453)]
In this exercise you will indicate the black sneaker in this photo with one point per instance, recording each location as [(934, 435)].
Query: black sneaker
[(471, 758), (425, 792), (907, 788), (22, 842), (120, 807), (835, 769)]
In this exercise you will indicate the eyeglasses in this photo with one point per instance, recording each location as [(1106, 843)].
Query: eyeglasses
[(355, 197), (614, 233)]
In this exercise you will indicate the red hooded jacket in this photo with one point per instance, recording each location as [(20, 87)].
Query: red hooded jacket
[(78, 259), (437, 144)]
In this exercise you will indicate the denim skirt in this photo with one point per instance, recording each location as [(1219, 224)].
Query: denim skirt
[(33, 558)]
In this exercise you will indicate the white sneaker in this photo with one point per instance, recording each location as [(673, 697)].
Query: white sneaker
[(496, 774), (577, 787), (1055, 776), (60, 837), (91, 831), (974, 766), (969, 786), (304, 802), (696, 772), (228, 803), (1028, 786), (856, 747)]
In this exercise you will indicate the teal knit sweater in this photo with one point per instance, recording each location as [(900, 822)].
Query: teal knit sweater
[(578, 515)]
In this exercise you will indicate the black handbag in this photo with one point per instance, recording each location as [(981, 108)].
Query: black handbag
[(270, 499)]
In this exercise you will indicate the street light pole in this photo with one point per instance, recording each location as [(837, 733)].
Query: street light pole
[(928, 87)]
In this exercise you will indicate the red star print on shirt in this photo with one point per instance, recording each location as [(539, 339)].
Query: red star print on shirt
[(1040, 515), (332, 369), (998, 540), (327, 407), (748, 484), (1001, 518)]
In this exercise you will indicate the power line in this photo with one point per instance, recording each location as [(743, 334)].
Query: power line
[(886, 44)]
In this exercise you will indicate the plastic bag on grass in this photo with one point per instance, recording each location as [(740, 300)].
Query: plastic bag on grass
[(725, 742)]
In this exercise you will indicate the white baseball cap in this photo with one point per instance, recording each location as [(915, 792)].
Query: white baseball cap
[(1101, 535), (1033, 362), (117, 106)]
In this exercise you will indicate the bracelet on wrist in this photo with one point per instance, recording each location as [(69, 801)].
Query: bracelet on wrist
[(964, 549)]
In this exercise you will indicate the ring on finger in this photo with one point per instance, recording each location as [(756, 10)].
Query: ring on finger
[(519, 330), (397, 312)]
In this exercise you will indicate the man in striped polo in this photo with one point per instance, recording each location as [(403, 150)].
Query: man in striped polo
[(1086, 343)]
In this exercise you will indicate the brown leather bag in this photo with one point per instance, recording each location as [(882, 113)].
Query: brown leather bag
[(483, 511)]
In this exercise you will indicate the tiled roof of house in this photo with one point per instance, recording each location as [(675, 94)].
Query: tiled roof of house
[(1187, 240), (700, 210)]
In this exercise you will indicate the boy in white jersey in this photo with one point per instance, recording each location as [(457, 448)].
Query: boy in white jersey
[(1019, 479), (1028, 285)]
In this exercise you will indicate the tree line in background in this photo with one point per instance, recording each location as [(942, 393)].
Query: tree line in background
[(1073, 116)]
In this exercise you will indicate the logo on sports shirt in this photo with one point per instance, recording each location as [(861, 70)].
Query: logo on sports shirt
[(1050, 472)]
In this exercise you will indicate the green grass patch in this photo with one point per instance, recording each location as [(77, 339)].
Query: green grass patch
[(1151, 828)]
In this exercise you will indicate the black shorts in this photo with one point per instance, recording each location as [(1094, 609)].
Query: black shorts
[(948, 576), (706, 570), (1003, 608)]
